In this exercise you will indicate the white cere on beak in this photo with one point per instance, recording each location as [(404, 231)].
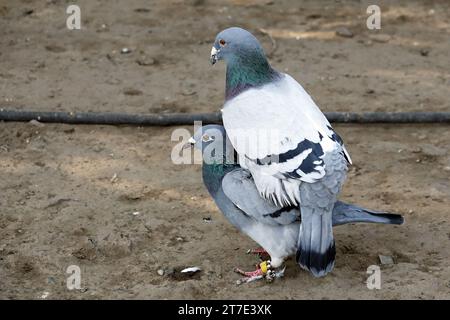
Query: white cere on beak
[(213, 58), (191, 140)]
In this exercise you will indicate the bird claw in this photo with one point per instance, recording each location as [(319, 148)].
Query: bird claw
[(258, 274), (250, 274)]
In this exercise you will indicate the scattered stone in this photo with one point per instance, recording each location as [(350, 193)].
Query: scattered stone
[(386, 260), (141, 10), (39, 164), (207, 219), (114, 178), (145, 61), (188, 93), (125, 51), (160, 272), (169, 271), (132, 92), (110, 57), (28, 12), (314, 16), (424, 52), (69, 131), (136, 213), (370, 91), (447, 168), (57, 202), (382, 38), (37, 123), (55, 48), (344, 32)]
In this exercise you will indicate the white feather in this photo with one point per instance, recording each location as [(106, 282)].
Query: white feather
[(271, 120)]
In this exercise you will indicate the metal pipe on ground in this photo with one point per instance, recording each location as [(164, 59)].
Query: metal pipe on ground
[(176, 119)]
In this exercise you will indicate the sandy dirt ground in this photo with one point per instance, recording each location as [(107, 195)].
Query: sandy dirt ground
[(110, 200)]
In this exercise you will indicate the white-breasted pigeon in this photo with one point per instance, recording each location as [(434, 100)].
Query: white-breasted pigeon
[(284, 140)]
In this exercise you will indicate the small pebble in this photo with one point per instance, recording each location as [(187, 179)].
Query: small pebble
[(37, 123), (160, 272), (424, 52), (144, 61), (344, 32), (114, 178), (385, 260), (125, 51)]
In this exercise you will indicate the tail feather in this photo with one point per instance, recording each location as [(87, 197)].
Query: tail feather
[(316, 250), (344, 213)]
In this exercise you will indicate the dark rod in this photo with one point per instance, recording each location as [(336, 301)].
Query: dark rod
[(172, 119)]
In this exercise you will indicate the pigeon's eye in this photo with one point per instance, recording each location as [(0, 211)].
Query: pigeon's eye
[(222, 42), (207, 138)]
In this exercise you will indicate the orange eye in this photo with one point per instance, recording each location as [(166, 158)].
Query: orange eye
[(222, 42)]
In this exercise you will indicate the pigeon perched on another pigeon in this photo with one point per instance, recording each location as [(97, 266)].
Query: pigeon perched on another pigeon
[(284, 140), (274, 228)]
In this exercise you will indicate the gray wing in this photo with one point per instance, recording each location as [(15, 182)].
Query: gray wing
[(239, 187)]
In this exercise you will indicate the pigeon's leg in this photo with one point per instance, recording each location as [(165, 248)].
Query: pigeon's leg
[(258, 274), (250, 274), (264, 271)]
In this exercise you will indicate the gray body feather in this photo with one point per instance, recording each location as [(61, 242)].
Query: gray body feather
[(316, 249)]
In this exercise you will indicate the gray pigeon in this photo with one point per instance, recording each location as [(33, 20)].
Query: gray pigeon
[(274, 228), (284, 140)]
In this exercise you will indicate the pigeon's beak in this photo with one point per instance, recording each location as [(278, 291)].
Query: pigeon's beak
[(190, 143), (213, 59)]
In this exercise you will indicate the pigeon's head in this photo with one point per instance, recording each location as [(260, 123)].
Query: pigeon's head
[(235, 43), (208, 136), (214, 144)]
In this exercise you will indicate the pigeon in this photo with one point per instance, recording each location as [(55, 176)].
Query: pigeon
[(274, 228), (282, 138)]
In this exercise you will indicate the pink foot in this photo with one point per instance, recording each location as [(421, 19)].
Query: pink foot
[(250, 274)]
